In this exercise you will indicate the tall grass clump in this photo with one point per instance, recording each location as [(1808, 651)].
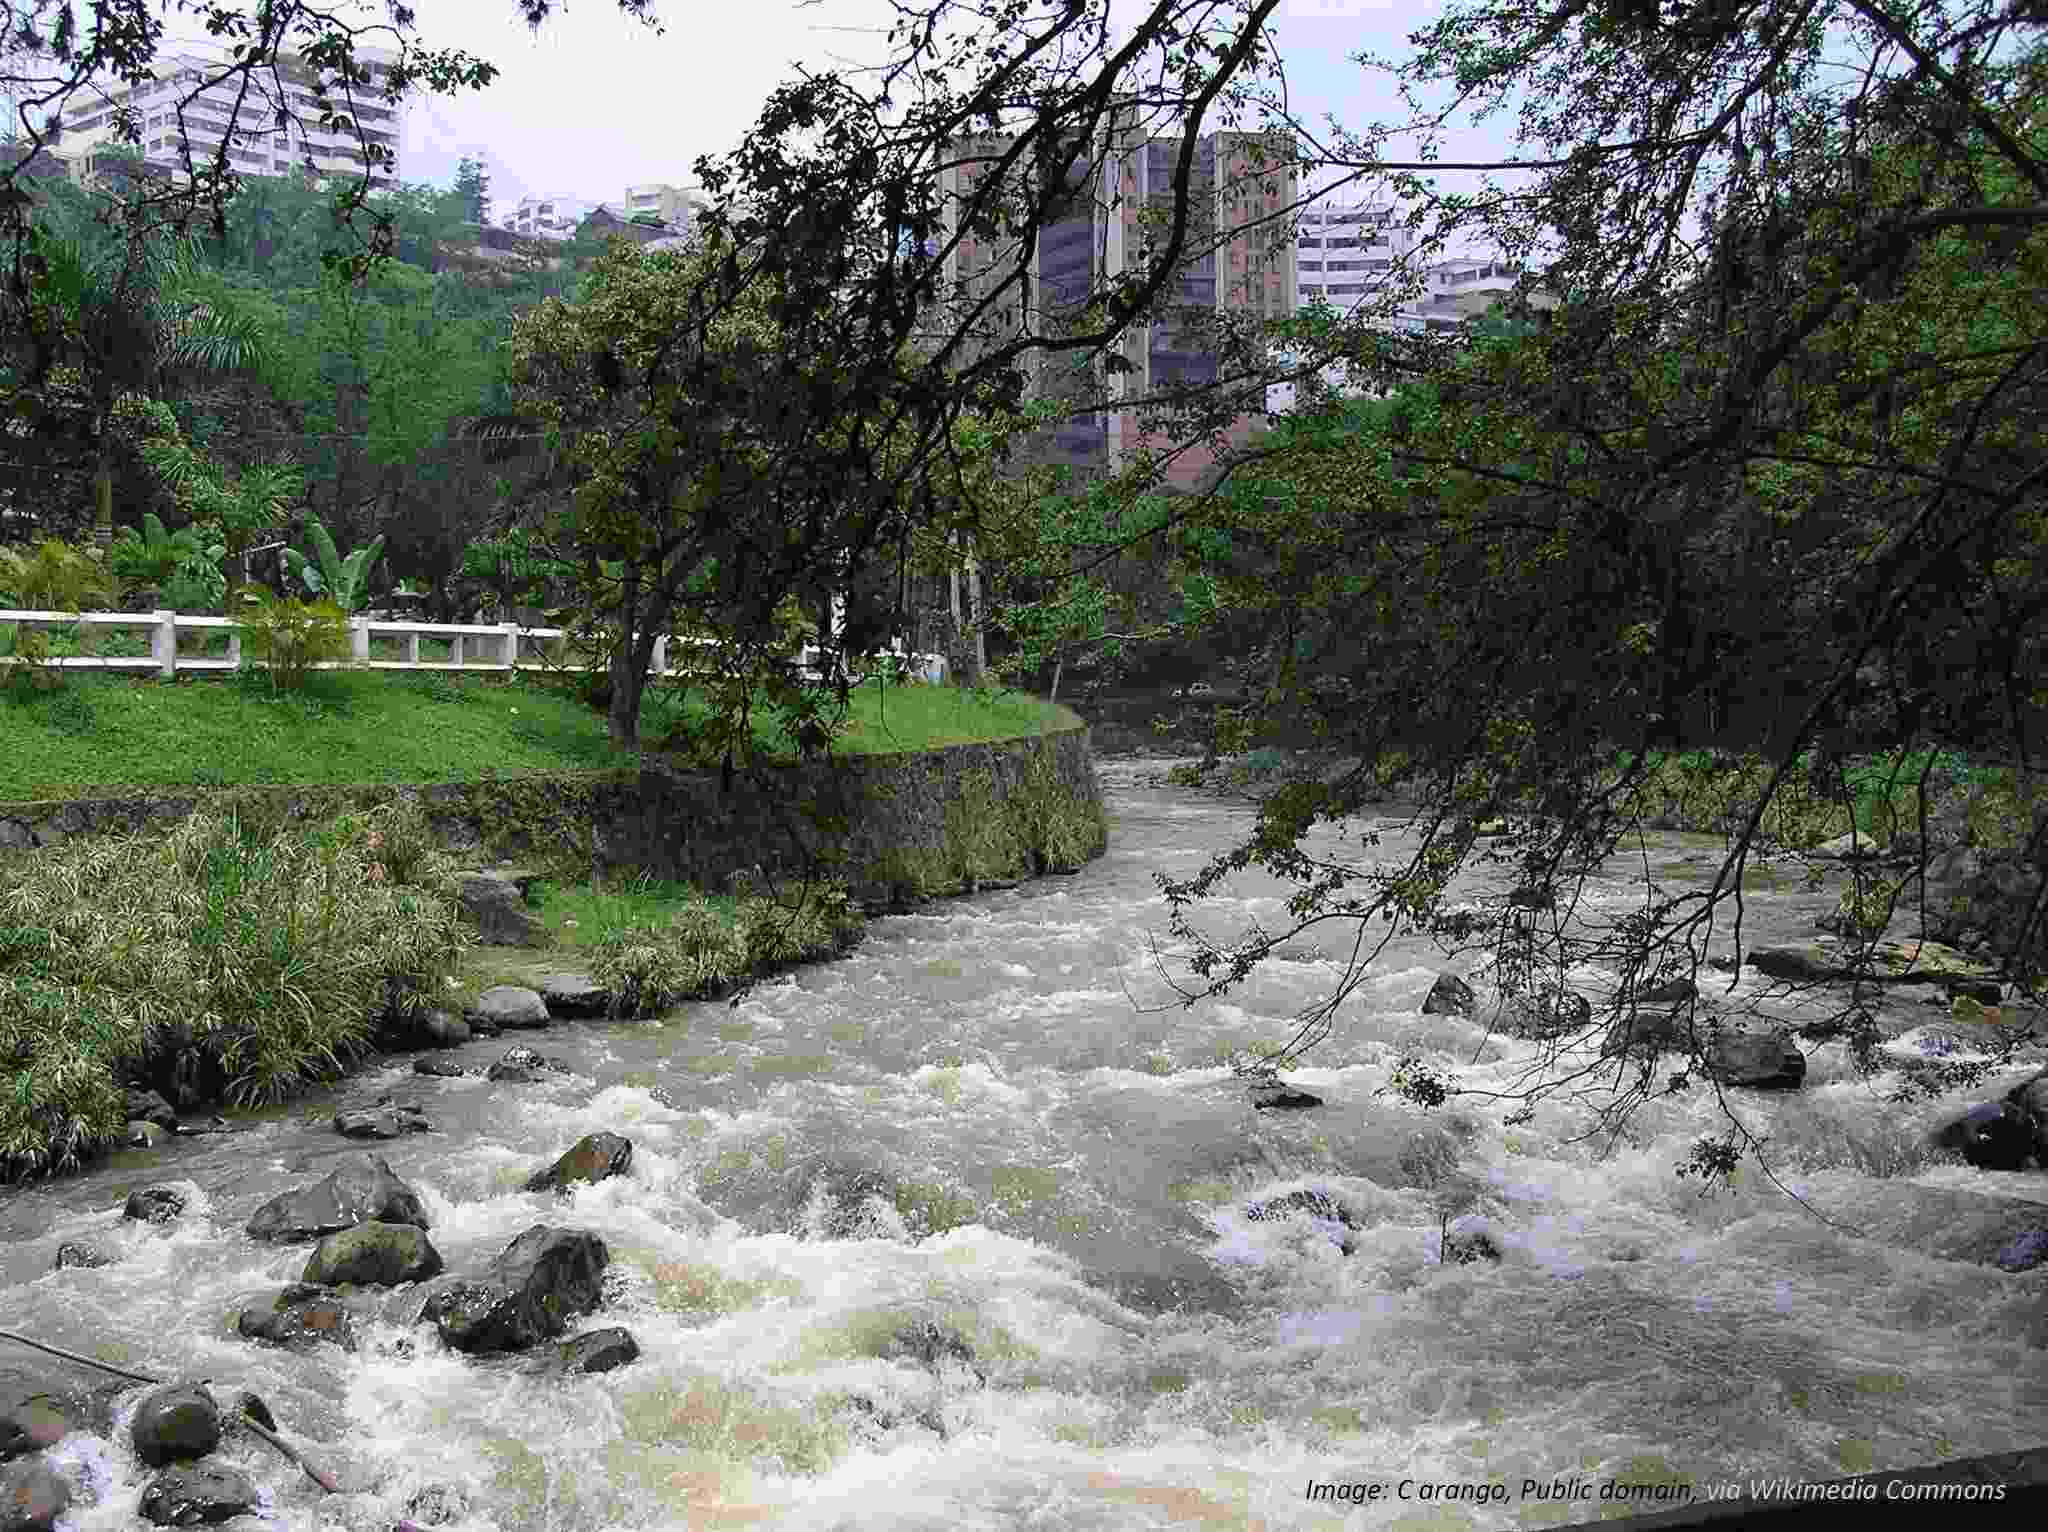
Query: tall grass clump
[(703, 950), (223, 960)]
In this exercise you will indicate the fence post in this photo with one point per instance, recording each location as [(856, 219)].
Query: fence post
[(412, 647), (359, 639), (163, 644), (512, 647), (661, 655)]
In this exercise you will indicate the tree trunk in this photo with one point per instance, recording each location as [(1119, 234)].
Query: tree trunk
[(1059, 663), (631, 657), (980, 659), (103, 490)]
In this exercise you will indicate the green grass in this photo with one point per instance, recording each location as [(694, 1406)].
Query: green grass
[(95, 732), (580, 916)]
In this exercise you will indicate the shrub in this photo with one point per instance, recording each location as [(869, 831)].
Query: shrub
[(263, 961), (292, 636), (53, 576)]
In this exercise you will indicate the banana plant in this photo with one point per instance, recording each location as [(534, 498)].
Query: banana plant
[(343, 581)]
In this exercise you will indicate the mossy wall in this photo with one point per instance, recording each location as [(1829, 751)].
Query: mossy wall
[(890, 827)]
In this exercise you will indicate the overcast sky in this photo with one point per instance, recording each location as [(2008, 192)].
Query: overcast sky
[(596, 101)]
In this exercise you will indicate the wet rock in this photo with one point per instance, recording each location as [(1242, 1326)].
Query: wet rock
[(198, 1494), (1759, 1060), (444, 1029), (573, 994), (29, 1424), (71, 1254), (1993, 1135), (179, 1420), (1793, 965), (1275, 1097), (444, 1068), (528, 1294), (362, 1189), (148, 1106), (1671, 990), (1544, 1014), (33, 1495), (522, 1066), (878, 1419), (142, 1135), (1322, 1210), (2024, 1252), (494, 904), (594, 1157), (31, 1420), (1850, 847), (301, 1318), (1464, 1249), (433, 1504), (592, 1351), (2031, 1097), (511, 1006), (162, 1203), (931, 1346), (374, 1254), (1449, 996), (385, 1119)]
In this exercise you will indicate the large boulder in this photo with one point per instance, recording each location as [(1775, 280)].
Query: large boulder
[(33, 1420), (1985, 902), (179, 1420), (510, 1005), (1993, 1135), (495, 906), (1890, 962), (148, 1106), (574, 994), (1759, 1060), (198, 1494), (443, 1029), (386, 1119), (594, 1157), (1543, 1014), (1449, 996), (2031, 1097), (592, 1351), (374, 1254), (523, 1066), (530, 1291), (361, 1189), (301, 1318), (33, 1496), (163, 1202)]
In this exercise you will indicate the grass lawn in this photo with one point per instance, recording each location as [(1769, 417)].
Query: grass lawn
[(96, 731)]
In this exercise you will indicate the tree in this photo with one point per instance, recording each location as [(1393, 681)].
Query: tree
[(473, 188), (117, 319), (1780, 494)]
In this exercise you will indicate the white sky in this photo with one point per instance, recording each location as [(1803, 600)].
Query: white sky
[(596, 102)]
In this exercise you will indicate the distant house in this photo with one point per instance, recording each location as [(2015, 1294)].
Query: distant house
[(604, 223)]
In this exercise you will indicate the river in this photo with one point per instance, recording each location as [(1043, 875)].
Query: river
[(1148, 1354)]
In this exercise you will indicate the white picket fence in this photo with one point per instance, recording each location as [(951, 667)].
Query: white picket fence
[(500, 641)]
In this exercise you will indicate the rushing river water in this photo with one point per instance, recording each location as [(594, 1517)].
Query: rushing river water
[(1149, 1355)]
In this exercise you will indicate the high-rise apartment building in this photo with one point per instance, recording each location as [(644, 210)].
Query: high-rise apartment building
[(1119, 194), (1350, 252), (256, 144)]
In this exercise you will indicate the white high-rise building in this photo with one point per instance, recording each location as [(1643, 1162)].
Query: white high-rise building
[(550, 217), (256, 144), (1346, 253)]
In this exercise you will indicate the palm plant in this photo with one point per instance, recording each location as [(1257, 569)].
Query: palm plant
[(345, 582), (123, 316), (236, 513), (152, 556)]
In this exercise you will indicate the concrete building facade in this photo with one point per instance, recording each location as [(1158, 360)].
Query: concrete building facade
[(256, 144), (550, 217), (1118, 192)]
